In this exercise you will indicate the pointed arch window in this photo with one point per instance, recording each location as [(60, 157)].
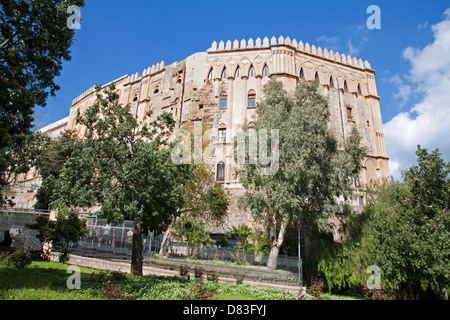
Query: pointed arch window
[(301, 76), (331, 82), (224, 73), (345, 86), (220, 171), (316, 77), (211, 74), (251, 72), (265, 72), (251, 99), (238, 73), (359, 89)]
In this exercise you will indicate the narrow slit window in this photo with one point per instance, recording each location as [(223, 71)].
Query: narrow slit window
[(221, 171), (251, 99), (301, 75), (265, 71), (331, 82), (238, 73), (211, 74), (224, 73), (251, 72), (223, 101)]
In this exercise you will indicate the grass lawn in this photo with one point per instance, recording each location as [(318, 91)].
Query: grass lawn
[(47, 281)]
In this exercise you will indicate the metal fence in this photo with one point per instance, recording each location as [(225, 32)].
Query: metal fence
[(106, 241), (15, 222)]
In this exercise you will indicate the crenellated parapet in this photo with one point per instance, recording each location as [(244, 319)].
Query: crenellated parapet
[(146, 72), (299, 46), (83, 95)]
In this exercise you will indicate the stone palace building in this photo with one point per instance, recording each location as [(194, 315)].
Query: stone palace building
[(222, 86)]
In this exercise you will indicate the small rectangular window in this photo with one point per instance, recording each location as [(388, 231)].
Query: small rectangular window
[(222, 135), (252, 101), (349, 114), (223, 103)]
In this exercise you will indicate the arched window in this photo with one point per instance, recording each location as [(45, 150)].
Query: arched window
[(345, 86), (359, 89), (238, 73), (251, 72), (316, 77), (331, 82), (221, 171), (301, 76), (265, 72), (224, 73), (211, 74), (222, 135), (251, 99), (223, 100)]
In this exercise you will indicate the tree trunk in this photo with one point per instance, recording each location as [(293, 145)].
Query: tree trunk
[(442, 291), (164, 241), (275, 247), (136, 253)]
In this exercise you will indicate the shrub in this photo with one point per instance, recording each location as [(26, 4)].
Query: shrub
[(198, 272), (113, 292), (212, 276), (19, 259), (239, 278), (199, 291), (184, 271), (316, 289)]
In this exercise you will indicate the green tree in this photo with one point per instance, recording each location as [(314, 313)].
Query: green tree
[(194, 232), (312, 173), (50, 161), (67, 227), (408, 235), (19, 159), (404, 230), (34, 41), (125, 167)]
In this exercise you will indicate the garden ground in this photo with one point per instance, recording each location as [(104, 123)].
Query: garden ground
[(48, 281)]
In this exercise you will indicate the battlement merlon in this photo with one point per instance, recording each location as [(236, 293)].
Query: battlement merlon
[(299, 46)]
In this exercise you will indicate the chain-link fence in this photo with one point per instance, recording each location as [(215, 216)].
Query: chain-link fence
[(13, 224), (105, 241)]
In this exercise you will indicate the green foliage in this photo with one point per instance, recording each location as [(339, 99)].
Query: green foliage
[(50, 161), (18, 159), (194, 232), (200, 291), (66, 228), (19, 258), (242, 233), (34, 41), (312, 173), (404, 230), (125, 166), (206, 199)]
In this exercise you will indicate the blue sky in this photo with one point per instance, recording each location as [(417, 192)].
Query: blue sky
[(124, 37)]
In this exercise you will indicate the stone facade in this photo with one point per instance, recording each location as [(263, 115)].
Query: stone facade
[(25, 185), (219, 86)]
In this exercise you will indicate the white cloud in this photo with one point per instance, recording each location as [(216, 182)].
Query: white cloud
[(428, 122), (404, 91), (352, 50)]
